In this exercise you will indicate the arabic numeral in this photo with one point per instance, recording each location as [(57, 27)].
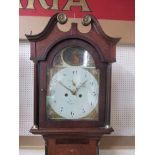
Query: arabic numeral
[(61, 109), (72, 114), (92, 83), (75, 72), (83, 110), (91, 104), (94, 93)]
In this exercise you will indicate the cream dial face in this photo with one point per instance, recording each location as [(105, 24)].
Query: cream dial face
[(74, 93)]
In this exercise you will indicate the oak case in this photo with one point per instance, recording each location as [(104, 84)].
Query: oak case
[(72, 136)]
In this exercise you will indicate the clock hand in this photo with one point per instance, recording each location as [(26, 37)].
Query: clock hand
[(66, 87), (77, 89), (74, 84)]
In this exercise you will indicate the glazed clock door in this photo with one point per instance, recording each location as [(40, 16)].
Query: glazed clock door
[(74, 93), (73, 86)]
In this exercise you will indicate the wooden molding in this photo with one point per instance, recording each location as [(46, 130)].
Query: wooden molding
[(107, 142), (114, 28)]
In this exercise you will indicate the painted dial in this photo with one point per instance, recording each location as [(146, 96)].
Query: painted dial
[(74, 93)]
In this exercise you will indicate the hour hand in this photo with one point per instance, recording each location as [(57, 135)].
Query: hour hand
[(65, 87), (74, 84)]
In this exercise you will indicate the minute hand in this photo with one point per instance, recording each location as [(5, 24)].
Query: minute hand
[(77, 89)]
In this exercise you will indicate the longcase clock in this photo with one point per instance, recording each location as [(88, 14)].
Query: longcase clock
[(72, 86)]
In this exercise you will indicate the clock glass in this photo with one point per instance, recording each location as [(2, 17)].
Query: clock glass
[(73, 86)]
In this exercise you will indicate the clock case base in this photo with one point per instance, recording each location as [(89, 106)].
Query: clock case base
[(72, 141)]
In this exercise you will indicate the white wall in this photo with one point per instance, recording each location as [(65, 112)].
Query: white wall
[(117, 152)]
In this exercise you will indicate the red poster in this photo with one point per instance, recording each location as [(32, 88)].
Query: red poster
[(102, 9)]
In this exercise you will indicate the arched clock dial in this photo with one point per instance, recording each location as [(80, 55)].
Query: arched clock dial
[(74, 93)]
